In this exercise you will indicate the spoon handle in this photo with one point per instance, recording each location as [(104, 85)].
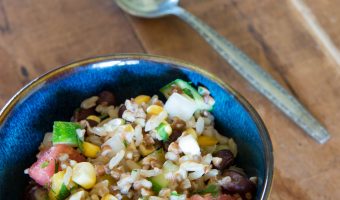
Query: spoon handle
[(258, 78)]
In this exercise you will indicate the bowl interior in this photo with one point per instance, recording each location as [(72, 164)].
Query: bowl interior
[(57, 94)]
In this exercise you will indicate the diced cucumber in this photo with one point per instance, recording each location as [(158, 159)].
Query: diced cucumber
[(63, 193), (188, 91), (66, 133), (212, 189), (58, 190), (159, 182)]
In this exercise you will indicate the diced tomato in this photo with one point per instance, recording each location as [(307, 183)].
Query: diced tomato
[(43, 169)]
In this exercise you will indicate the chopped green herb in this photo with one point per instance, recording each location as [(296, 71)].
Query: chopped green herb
[(103, 116), (44, 164), (125, 143), (188, 92), (212, 189)]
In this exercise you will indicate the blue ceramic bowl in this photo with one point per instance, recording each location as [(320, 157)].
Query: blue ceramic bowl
[(55, 95)]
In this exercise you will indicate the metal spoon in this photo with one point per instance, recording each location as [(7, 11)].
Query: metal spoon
[(245, 66)]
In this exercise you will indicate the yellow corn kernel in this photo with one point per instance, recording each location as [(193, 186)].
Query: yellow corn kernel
[(108, 197), (142, 99), (90, 150), (129, 128), (154, 109), (84, 174), (146, 151), (204, 140), (94, 118), (190, 131)]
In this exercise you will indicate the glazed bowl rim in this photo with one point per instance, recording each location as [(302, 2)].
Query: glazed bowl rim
[(265, 138)]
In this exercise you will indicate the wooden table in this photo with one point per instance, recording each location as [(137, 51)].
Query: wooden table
[(38, 35)]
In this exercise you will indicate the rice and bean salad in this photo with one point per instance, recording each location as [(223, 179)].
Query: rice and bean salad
[(143, 149)]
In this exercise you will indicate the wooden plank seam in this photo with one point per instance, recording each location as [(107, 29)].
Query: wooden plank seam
[(317, 31)]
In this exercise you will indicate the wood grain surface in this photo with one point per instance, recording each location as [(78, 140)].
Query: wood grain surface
[(38, 35)]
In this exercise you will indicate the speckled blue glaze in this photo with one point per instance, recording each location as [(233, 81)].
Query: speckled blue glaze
[(54, 96)]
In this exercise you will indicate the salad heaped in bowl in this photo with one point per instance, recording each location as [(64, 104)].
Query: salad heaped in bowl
[(142, 149)]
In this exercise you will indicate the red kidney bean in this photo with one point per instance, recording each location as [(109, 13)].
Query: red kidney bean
[(121, 110), (227, 159), (106, 98), (239, 184), (92, 123), (81, 114), (173, 137)]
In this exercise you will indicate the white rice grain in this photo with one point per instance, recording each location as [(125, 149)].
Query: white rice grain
[(63, 157), (146, 192), (143, 183), (185, 184), (80, 134), (140, 121), (138, 135), (155, 120), (165, 192), (129, 116), (216, 161), (225, 180), (156, 198), (196, 175), (108, 127), (192, 166), (116, 159), (199, 125), (206, 160), (131, 106), (210, 174), (171, 156), (150, 173)]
